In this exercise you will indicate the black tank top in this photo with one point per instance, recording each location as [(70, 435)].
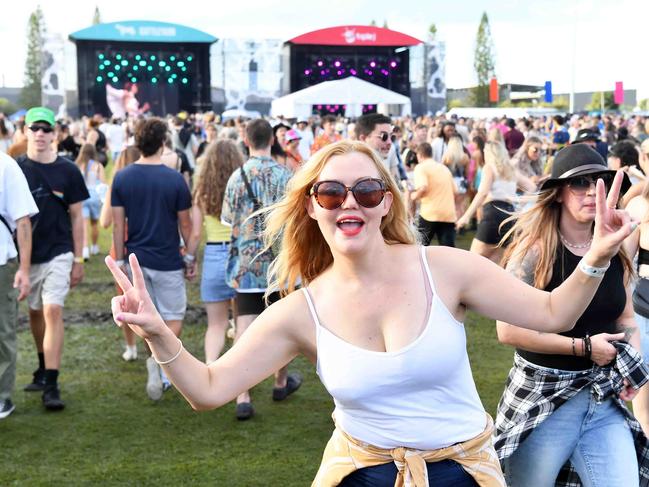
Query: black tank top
[(600, 315)]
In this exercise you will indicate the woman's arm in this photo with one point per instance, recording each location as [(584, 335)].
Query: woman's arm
[(483, 191), (106, 215), (101, 174), (551, 343), (197, 229), (273, 340), (525, 183)]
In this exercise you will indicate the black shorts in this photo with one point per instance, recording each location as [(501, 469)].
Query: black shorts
[(493, 214), (253, 303)]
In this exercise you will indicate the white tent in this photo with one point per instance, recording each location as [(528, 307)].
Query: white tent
[(351, 92)]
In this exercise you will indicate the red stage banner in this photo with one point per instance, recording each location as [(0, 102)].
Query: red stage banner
[(493, 90), (356, 35)]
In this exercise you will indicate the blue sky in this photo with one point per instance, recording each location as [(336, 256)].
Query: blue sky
[(597, 41)]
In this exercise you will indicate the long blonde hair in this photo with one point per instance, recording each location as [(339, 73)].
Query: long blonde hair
[(537, 228), (454, 153), (496, 154), (304, 253)]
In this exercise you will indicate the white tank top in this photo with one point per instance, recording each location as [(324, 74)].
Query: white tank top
[(502, 190), (421, 396)]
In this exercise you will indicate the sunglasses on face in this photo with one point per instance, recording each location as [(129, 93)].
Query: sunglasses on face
[(384, 136), (581, 184), (535, 150), (46, 129), (367, 192)]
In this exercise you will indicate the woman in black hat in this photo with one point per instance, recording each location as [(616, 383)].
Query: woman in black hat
[(564, 399)]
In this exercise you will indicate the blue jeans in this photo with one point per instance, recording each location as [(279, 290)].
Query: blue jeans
[(643, 328), (445, 473), (593, 435)]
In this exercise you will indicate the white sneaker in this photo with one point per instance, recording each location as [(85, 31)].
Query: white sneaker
[(130, 353), (94, 250), (86, 253), (153, 382)]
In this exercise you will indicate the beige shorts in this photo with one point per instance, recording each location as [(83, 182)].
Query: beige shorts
[(50, 281)]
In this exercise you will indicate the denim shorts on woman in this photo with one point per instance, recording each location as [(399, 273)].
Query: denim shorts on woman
[(213, 286)]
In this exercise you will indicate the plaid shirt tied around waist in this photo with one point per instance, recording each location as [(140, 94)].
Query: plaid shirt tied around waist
[(532, 393)]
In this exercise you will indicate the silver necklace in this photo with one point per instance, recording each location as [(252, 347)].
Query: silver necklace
[(576, 246)]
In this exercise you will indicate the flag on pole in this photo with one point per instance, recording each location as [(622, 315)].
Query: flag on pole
[(618, 96), (548, 92), (493, 90)]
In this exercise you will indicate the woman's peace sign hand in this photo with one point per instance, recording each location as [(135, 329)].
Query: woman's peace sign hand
[(135, 307), (612, 226)]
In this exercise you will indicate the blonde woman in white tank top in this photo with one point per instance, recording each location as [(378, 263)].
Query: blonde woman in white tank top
[(496, 196), (373, 302)]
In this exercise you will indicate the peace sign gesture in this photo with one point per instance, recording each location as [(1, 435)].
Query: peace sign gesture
[(612, 226), (135, 308)]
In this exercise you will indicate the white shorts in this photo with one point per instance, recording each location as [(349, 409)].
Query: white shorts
[(50, 281), (167, 291)]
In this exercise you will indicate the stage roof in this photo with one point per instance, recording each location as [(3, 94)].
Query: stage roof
[(142, 31), (356, 35)]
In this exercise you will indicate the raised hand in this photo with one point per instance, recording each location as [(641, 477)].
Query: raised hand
[(134, 308), (612, 226)]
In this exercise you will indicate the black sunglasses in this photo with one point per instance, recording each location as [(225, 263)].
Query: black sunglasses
[(367, 192), (581, 184), (384, 136), (46, 129)]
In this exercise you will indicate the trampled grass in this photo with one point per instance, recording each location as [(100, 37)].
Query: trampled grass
[(111, 434)]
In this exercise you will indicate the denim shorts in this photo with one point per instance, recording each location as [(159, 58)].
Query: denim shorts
[(213, 285), (91, 208)]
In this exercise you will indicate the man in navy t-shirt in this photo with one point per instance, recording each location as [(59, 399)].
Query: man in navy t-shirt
[(155, 201)]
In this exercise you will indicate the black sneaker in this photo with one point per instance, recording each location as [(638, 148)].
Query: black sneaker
[(6, 408), (38, 382), (293, 383), (52, 398), (244, 411)]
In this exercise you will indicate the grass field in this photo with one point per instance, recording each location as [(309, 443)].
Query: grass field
[(111, 434)]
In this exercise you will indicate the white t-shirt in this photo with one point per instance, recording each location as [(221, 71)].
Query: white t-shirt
[(116, 136), (16, 201), (305, 142)]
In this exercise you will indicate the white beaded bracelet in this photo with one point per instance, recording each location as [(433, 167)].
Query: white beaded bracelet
[(172, 358), (591, 271)]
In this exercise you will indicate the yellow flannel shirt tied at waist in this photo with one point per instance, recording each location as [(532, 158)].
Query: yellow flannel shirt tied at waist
[(344, 454)]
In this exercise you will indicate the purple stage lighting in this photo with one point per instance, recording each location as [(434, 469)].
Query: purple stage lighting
[(393, 64), (372, 64), (320, 63), (337, 64), (353, 72), (370, 72), (307, 72), (322, 72), (339, 72)]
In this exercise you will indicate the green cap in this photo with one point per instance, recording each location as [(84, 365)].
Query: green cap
[(39, 114)]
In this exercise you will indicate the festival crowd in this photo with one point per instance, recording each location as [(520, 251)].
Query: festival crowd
[(305, 230)]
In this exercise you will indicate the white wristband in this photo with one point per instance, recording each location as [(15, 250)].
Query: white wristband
[(591, 271), (165, 362)]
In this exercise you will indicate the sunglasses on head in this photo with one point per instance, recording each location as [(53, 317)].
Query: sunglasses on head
[(330, 195), (581, 184), (46, 129)]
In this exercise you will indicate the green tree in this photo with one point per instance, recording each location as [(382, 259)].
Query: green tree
[(432, 32), (31, 93), (483, 62), (6, 106), (644, 104), (96, 18), (385, 24), (596, 102), (373, 23)]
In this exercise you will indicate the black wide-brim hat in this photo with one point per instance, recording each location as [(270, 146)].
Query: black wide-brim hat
[(578, 160)]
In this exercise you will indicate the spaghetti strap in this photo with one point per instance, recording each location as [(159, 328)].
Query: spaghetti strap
[(424, 261), (309, 301)]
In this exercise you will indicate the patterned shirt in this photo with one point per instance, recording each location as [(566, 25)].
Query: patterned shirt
[(323, 140), (532, 394), (247, 266)]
